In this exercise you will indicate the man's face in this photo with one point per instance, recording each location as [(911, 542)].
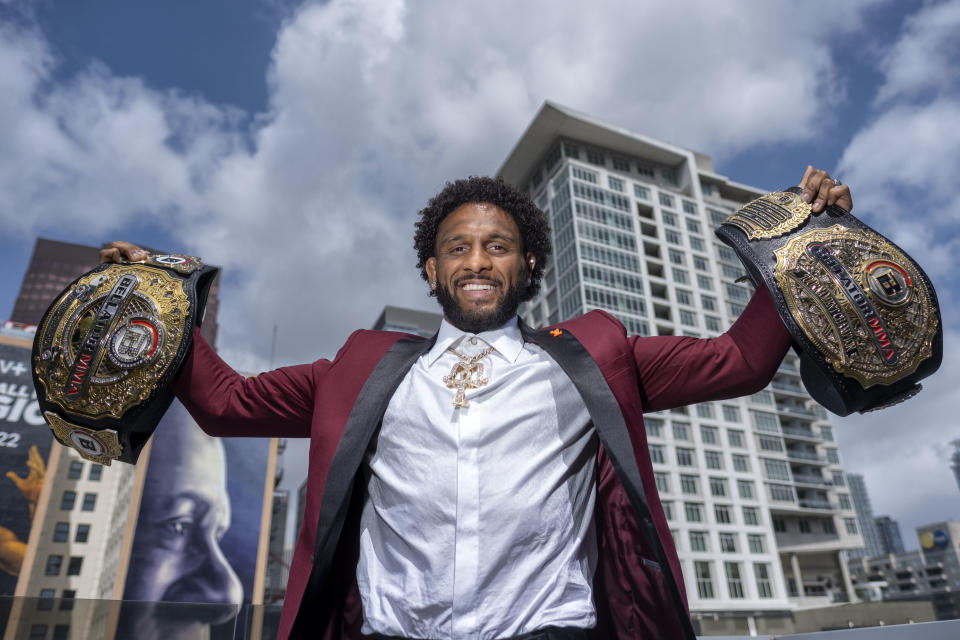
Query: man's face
[(479, 266), (183, 515)]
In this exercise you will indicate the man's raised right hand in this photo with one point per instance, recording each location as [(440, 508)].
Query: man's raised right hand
[(122, 252)]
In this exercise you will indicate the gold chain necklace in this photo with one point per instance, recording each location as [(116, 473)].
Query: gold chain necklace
[(467, 373)]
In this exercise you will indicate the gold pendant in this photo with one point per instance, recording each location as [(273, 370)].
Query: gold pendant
[(467, 373)]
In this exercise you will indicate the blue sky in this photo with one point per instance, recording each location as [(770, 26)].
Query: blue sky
[(293, 143)]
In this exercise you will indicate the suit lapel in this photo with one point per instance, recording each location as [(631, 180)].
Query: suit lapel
[(357, 433), (583, 371)]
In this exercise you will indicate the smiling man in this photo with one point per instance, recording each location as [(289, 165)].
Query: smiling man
[(492, 482)]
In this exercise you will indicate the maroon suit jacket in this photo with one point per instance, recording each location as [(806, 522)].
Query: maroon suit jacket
[(338, 404)]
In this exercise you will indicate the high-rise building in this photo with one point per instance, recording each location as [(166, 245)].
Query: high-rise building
[(872, 545), (753, 488), (889, 532)]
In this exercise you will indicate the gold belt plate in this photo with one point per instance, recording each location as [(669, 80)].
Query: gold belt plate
[(116, 333), (860, 300), (770, 216)]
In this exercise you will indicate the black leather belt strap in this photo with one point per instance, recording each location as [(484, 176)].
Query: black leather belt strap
[(863, 315)]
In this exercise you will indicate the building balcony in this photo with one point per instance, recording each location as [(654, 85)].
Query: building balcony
[(824, 505), (806, 478), (798, 432), (781, 385), (797, 411), (806, 456)]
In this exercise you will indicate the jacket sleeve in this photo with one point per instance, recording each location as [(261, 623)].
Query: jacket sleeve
[(278, 403), (676, 371)]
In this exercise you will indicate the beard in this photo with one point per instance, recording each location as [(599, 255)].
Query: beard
[(478, 321)]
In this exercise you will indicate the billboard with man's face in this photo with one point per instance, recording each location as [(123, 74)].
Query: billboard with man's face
[(24, 446), (198, 530)]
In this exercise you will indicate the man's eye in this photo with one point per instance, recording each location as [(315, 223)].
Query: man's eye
[(179, 526)]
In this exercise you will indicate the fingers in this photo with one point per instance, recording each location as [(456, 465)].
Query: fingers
[(820, 190), (122, 252), (17, 480)]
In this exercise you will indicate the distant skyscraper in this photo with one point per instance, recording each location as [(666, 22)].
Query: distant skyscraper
[(753, 488), (872, 545), (889, 531)]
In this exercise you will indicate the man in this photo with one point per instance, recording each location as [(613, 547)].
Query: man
[(493, 482), (176, 555)]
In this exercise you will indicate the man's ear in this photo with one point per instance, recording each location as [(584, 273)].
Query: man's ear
[(531, 262), (431, 268)]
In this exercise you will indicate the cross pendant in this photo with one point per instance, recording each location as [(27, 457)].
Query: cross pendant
[(464, 376)]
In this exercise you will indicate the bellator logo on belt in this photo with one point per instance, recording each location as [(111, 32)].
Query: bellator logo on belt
[(853, 295)]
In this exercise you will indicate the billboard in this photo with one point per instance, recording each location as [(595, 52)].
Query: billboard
[(25, 441), (198, 531)]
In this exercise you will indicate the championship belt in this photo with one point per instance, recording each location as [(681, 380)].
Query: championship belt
[(863, 315), (108, 348)]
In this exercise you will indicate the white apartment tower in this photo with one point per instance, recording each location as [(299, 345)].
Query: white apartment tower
[(753, 488)]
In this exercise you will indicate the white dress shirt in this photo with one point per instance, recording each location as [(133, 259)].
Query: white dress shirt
[(479, 520)]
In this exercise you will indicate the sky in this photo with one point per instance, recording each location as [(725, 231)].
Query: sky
[(293, 143)]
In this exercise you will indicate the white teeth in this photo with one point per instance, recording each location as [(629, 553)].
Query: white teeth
[(477, 287)]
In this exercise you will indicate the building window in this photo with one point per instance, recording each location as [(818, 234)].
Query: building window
[(54, 562), (776, 469), (688, 485), (672, 237), (662, 480), (665, 200), (83, 533), (76, 563), (698, 541), (66, 601), (832, 456), (728, 542), (641, 192), (704, 581), (779, 525), (705, 410), (620, 163), (828, 526), (803, 525), (781, 493), (615, 183), (697, 244), (75, 470), (751, 516), (656, 453), (734, 581), (851, 525), (770, 443), (595, 157), (734, 436), (826, 433), (838, 480), (704, 282), (731, 413), (46, 599), (38, 632), (687, 318), (61, 531), (765, 421), (676, 257), (693, 511), (707, 434), (61, 632), (667, 510), (740, 462), (845, 501), (762, 574), (718, 487), (756, 544), (693, 226), (680, 276), (96, 472), (684, 297), (681, 431), (89, 501), (654, 427), (722, 513), (714, 459), (68, 500), (745, 489), (689, 207), (684, 457)]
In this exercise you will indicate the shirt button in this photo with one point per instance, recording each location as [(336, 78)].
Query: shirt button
[(473, 341)]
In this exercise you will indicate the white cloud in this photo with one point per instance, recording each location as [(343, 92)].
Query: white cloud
[(925, 56)]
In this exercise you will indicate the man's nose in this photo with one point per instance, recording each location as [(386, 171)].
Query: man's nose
[(478, 260), (212, 581)]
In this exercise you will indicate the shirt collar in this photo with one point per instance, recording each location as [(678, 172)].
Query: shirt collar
[(507, 339)]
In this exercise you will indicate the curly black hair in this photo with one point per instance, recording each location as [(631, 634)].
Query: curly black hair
[(534, 228)]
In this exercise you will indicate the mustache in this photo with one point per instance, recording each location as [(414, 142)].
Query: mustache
[(457, 282)]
